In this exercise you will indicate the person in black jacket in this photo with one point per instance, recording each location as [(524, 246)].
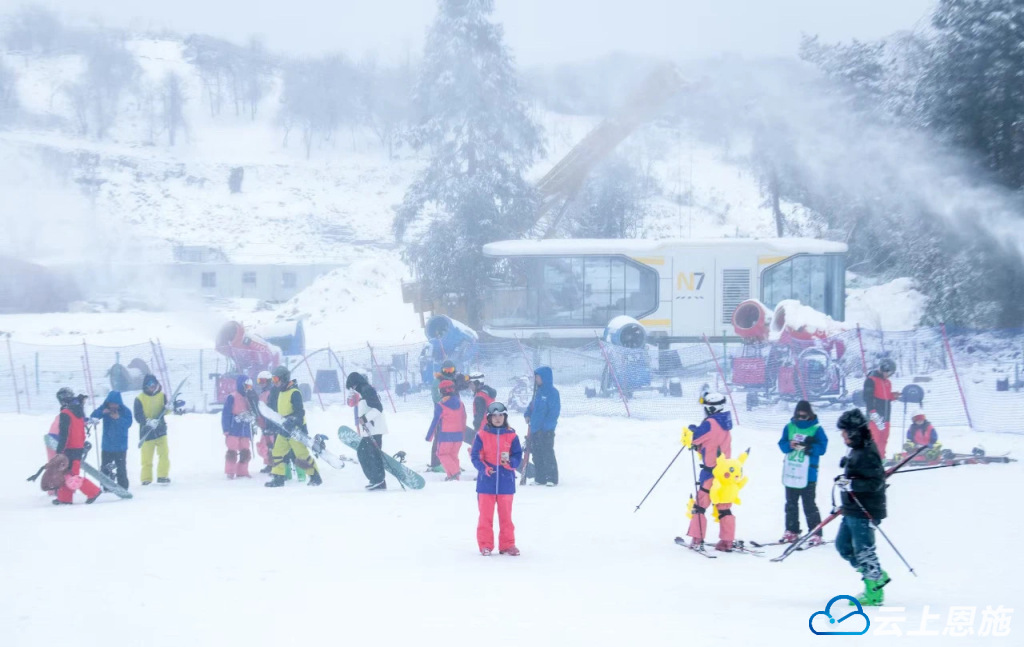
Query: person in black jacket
[(483, 396), (862, 487), (371, 425)]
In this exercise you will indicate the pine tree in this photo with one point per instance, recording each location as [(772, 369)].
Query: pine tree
[(481, 138)]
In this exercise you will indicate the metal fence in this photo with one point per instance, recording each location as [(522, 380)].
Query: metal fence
[(966, 378)]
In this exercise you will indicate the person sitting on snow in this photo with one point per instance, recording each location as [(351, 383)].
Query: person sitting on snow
[(921, 432)]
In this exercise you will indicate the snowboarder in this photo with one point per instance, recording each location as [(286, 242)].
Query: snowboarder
[(712, 439), (483, 396), (496, 454), (117, 421), (803, 442), (862, 493), (287, 402), (371, 425), (878, 398), (542, 417), (71, 444), (921, 432), (448, 427), (236, 423), (149, 408)]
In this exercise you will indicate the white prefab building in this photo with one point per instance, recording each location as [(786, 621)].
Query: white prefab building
[(679, 289), (267, 282)]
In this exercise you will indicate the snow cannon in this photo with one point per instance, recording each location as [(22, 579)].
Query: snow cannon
[(288, 336), (794, 321), (450, 339), (249, 352), (626, 332), (128, 378), (750, 320), (729, 480)]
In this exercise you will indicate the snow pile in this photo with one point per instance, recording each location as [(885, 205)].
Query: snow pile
[(803, 321), (892, 306)]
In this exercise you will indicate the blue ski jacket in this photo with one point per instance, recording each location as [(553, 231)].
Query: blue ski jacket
[(115, 430), (543, 411)]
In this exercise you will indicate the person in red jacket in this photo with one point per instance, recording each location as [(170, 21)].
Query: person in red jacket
[(496, 455), (878, 399), (71, 443), (449, 424), (921, 432)]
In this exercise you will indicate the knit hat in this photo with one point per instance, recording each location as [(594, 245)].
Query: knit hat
[(803, 406)]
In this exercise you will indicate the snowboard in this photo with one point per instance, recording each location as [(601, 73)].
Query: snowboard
[(405, 476), (108, 483), (317, 445)]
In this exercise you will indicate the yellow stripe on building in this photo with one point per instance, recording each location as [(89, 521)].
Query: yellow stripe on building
[(656, 322), (651, 260), (770, 260)]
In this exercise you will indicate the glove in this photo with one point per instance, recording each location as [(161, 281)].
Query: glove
[(290, 423), (843, 483), (877, 419), (94, 421), (179, 407), (152, 424), (687, 439), (909, 446)]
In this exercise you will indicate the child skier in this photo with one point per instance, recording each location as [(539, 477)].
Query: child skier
[(496, 454), (371, 425), (149, 413), (803, 442), (711, 439), (236, 423), (72, 443), (862, 487), (921, 432), (448, 426), (878, 399), (117, 420), (287, 402)]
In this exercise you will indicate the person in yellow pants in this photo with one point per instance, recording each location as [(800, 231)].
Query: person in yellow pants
[(149, 408), (286, 400)]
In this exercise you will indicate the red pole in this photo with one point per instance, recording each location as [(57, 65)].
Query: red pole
[(373, 358), (14, 377), (615, 377), (88, 374), (863, 359), (312, 383), (728, 391), (959, 386)]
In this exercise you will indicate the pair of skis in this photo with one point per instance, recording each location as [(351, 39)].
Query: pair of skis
[(737, 547)]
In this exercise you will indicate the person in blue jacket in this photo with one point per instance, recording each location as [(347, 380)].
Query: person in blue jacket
[(803, 439), (117, 420), (542, 417), (236, 421)]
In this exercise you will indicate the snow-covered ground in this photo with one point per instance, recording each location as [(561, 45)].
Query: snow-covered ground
[(206, 561)]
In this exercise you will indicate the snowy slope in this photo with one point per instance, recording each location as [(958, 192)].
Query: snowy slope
[(211, 562)]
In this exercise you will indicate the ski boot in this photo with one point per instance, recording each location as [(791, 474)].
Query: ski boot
[(92, 499), (436, 468), (486, 552), (789, 537), (376, 486), (59, 502), (453, 477), (815, 540), (146, 482), (873, 595), (314, 479), (300, 474), (724, 546), (276, 480), (266, 470), (163, 480), (511, 550)]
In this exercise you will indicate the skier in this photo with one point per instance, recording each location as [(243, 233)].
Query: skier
[(448, 372), (878, 398), (496, 454), (72, 444), (921, 432), (371, 426), (542, 417), (483, 396), (236, 423), (150, 406), (862, 491), (448, 427), (263, 388), (117, 420), (803, 441), (288, 403), (712, 439)]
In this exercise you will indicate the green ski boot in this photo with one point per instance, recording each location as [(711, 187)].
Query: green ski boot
[(301, 473), (874, 595), (287, 470)]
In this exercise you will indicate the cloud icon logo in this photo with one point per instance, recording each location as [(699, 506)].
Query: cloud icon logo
[(854, 623)]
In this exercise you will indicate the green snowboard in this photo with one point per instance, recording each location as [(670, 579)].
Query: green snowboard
[(405, 476)]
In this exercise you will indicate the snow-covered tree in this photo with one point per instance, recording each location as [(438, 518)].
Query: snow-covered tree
[(481, 138)]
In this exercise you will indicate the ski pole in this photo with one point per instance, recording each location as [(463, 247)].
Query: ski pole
[(874, 523), (659, 479), (696, 494)]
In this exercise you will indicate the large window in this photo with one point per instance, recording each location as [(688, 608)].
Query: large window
[(576, 291), (209, 279), (816, 281)]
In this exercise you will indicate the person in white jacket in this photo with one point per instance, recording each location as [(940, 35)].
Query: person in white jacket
[(371, 425)]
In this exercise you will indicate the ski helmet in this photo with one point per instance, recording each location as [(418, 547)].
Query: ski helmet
[(476, 377), (852, 420), (713, 402), (65, 396), (282, 374), (150, 384), (497, 409), (448, 367), (887, 365), (446, 387), (263, 379)]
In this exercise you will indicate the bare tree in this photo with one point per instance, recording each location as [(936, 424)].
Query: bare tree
[(173, 103)]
